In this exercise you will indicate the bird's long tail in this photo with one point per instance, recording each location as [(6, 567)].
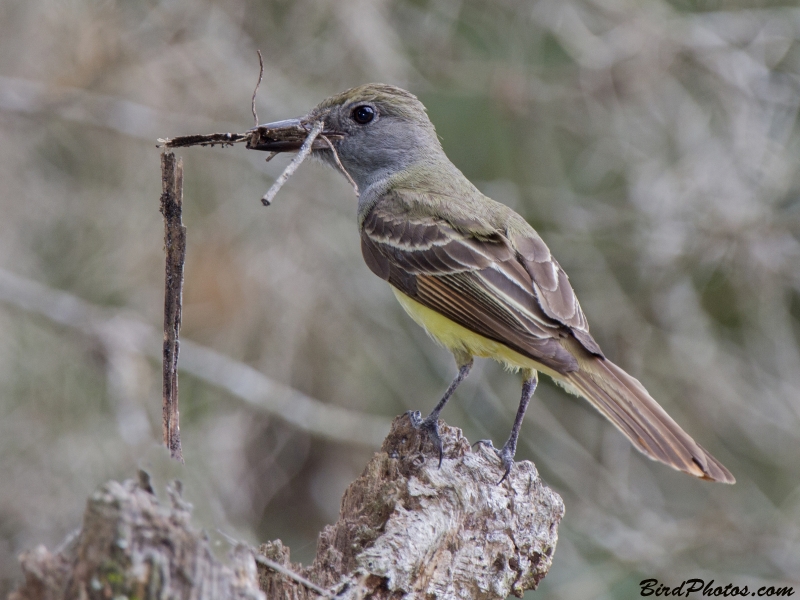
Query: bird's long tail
[(625, 402)]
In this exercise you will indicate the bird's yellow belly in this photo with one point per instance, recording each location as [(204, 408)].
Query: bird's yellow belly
[(461, 340)]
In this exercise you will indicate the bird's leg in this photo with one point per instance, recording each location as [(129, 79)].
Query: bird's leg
[(431, 423), (507, 452)]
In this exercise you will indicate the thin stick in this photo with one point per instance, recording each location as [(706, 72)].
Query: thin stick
[(339, 164), (305, 150), (271, 564), (255, 91), (277, 567), (175, 248)]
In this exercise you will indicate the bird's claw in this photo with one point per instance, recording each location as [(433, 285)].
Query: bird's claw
[(415, 417), (429, 425), (507, 458), (505, 455)]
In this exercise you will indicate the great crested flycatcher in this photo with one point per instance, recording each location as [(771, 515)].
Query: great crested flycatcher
[(472, 272)]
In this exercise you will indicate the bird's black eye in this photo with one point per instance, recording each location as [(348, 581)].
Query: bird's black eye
[(363, 114)]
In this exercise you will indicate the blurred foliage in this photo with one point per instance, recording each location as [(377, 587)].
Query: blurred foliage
[(653, 144)]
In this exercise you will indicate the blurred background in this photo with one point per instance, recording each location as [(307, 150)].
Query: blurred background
[(653, 144)]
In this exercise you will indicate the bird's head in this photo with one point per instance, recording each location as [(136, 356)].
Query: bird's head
[(376, 129)]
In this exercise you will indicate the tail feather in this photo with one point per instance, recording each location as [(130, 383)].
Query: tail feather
[(625, 402)]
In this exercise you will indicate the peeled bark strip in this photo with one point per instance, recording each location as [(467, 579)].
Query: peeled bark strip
[(132, 546), (409, 530), (175, 250)]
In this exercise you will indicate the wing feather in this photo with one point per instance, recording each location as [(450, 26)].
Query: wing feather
[(552, 287)]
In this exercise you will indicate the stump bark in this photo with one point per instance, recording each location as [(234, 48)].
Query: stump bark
[(406, 529)]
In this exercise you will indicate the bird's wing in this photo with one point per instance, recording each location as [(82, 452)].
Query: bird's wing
[(487, 285)]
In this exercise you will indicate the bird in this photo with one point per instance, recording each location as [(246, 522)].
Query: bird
[(471, 271)]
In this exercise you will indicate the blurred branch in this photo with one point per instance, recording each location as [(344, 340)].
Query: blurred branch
[(120, 333), (76, 104), (175, 250)]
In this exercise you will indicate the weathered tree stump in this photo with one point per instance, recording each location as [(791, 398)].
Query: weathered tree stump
[(410, 529), (407, 529), (133, 546)]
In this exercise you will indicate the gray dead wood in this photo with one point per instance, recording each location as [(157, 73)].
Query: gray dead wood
[(406, 529), (410, 530), (132, 546)]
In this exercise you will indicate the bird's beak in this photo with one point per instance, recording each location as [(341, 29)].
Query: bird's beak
[(287, 136)]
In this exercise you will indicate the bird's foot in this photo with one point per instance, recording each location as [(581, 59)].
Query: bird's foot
[(505, 454), (430, 425)]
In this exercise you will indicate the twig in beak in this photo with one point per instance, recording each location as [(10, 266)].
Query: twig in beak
[(339, 164), (305, 150)]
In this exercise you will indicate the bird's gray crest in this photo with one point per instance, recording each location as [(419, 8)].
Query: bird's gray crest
[(391, 100), (400, 136)]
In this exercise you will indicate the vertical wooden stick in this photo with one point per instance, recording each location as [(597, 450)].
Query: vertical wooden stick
[(175, 248)]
